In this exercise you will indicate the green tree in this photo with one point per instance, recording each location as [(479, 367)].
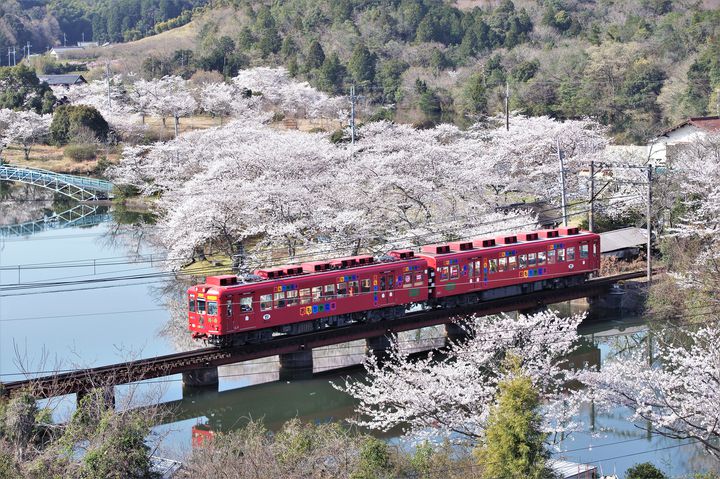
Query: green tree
[(474, 97), (644, 470), (514, 442), (315, 56), (362, 65), (69, 120), (389, 77), (20, 89), (331, 75)]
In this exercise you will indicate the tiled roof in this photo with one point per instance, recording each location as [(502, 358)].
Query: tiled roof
[(707, 123)]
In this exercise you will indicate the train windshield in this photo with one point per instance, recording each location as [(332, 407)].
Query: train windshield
[(212, 308), (201, 306)]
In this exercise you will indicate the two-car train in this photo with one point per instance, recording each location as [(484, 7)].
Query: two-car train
[(301, 298)]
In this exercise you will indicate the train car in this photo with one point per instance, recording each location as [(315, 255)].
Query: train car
[(489, 268), (301, 298)]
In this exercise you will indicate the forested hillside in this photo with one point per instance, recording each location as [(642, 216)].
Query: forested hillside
[(46, 23), (636, 66)]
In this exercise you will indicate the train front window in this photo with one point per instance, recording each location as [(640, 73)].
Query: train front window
[(191, 304), (212, 308), (584, 251), (229, 308), (201, 306)]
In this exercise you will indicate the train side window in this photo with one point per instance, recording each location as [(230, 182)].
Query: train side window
[(584, 251), (229, 307), (407, 281), (470, 269), (316, 293), (561, 255), (532, 260), (493, 265), (454, 271), (541, 258), (265, 302), (246, 304), (212, 308), (512, 263), (478, 268), (571, 253), (502, 264), (418, 279), (382, 283), (341, 290), (291, 297), (353, 288), (365, 286), (201, 306), (551, 256), (329, 291), (443, 273), (191, 305), (522, 261), (305, 296), (280, 300)]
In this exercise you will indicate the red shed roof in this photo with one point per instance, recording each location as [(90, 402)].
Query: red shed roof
[(707, 123)]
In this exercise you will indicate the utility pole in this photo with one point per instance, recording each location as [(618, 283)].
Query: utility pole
[(507, 105), (649, 222), (353, 99), (562, 183), (28, 49), (64, 39), (591, 219)]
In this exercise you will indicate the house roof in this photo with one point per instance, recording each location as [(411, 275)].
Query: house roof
[(622, 238), (707, 123), (54, 80), (572, 470)]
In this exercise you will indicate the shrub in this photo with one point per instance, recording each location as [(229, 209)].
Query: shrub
[(81, 151), (68, 120)]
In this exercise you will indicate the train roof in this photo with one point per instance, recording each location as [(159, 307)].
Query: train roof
[(503, 241)]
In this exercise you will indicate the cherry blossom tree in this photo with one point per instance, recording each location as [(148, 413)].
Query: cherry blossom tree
[(288, 95), (25, 128), (169, 96), (453, 396), (678, 395)]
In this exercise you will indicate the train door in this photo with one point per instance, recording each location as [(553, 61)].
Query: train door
[(386, 288)]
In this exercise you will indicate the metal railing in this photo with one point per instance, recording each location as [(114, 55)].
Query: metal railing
[(78, 188)]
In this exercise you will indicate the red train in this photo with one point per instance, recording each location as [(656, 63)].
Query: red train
[(301, 298)]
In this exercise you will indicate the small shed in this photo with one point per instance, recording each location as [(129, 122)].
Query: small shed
[(573, 470), (62, 80), (624, 243)]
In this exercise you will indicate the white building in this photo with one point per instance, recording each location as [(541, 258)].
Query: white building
[(61, 52), (663, 147)]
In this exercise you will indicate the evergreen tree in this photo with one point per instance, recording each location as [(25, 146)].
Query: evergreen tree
[(644, 470), (514, 443), (331, 75), (315, 56), (362, 65)]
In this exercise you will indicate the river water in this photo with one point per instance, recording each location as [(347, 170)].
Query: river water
[(90, 295)]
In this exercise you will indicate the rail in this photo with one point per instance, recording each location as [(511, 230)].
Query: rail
[(78, 188), (80, 381)]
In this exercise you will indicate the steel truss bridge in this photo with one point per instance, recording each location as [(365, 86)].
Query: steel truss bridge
[(82, 381), (78, 188), (80, 215)]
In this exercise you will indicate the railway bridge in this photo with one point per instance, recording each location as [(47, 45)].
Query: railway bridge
[(79, 188), (199, 367)]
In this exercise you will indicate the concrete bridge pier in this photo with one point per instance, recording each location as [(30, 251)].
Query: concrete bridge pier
[(104, 394), (378, 346), (455, 333), (297, 365), (206, 378)]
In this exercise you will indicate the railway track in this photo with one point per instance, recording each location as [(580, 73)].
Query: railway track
[(83, 380)]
